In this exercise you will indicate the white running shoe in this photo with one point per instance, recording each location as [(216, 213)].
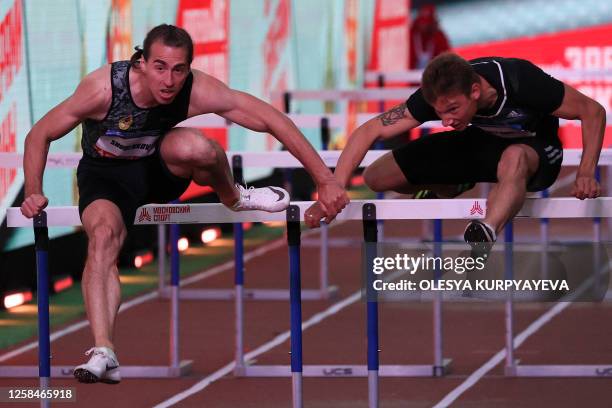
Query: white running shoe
[(103, 366), (270, 199)]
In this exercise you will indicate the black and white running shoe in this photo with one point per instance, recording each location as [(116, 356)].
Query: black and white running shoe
[(480, 237)]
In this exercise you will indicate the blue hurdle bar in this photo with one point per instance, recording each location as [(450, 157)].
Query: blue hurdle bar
[(238, 276), (509, 274), (370, 237), (439, 368), (174, 300), (239, 303), (295, 300), (41, 243)]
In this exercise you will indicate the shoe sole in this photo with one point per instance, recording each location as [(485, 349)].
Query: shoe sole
[(86, 377), (480, 230)]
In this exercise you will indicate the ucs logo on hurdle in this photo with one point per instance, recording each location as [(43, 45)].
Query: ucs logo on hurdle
[(604, 372), (338, 371)]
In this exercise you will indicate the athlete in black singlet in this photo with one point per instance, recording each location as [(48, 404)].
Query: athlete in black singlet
[(133, 154), (504, 114)]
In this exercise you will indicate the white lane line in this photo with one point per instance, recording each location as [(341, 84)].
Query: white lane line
[(281, 338), (501, 355), (148, 296), (520, 339)]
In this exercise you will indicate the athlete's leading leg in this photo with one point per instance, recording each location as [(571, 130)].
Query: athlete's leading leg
[(189, 154), (517, 164)]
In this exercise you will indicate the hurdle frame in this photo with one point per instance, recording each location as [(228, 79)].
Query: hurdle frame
[(438, 209), (176, 367), (513, 366), (325, 291)]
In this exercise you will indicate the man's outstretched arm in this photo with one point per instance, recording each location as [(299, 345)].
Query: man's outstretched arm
[(388, 124), (210, 95), (592, 115), (89, 99)]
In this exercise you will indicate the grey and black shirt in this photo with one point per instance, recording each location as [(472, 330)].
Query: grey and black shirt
[(128, 131)]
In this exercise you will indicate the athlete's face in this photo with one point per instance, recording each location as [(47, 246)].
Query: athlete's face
[(457, 109), (166, 70)]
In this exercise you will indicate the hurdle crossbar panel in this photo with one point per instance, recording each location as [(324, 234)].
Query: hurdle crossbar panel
[(313, 120), (301, 120), (414, 76), (405, 209), (349, 94), (280, 159)]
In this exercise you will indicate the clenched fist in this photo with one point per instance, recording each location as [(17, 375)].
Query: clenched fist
[(33, 205)]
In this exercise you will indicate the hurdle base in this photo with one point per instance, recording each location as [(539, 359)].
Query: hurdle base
[(425, 370), (181, 370), (250, 294), (549, 370)]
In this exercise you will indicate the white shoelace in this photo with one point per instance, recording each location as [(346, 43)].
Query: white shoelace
[(245, 192)]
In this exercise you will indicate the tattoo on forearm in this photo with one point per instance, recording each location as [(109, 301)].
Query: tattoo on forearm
[(394, 115)]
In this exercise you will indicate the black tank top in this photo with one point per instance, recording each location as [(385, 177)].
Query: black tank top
[(127, 131)]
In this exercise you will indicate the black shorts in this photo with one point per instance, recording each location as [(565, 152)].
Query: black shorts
[(471, 156), (127, 183)]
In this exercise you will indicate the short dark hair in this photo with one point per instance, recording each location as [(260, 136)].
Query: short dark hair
[(446, 74), (169, 35)]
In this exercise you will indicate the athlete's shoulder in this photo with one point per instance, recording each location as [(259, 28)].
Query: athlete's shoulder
[(98, 79), (208, 94), (94, 93), (503, 61), (494, 60), (202, 79)]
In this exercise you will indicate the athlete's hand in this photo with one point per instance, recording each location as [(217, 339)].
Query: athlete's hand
[(33, 205), (332, 199), (586, 187), (313, 215)]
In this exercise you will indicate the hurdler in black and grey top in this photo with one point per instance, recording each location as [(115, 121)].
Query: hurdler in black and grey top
[(128, 131)]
